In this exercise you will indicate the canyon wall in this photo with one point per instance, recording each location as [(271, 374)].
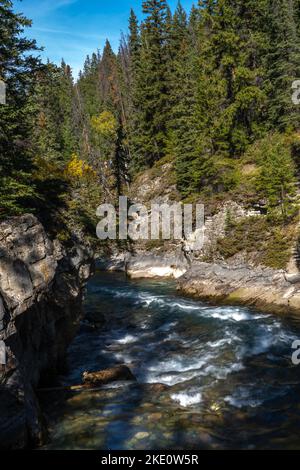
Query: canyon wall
[(41, 292)]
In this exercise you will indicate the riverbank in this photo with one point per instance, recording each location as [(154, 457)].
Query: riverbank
[(263, 288)]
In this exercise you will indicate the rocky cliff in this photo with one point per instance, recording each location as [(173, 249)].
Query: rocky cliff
[(263, 288), (41, 289)]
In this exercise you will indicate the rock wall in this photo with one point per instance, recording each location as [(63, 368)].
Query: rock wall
[(41, 290), (173, 258), (145, 265), (149, 265), (263, 288), (215, 226)]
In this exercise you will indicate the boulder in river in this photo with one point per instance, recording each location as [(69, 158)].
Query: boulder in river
[(106, 376)]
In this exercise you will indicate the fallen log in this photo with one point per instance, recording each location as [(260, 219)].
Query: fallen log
[(94, 380), (106, 376), (151, 388)]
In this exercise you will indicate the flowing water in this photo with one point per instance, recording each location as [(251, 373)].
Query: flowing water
[(231, 382)]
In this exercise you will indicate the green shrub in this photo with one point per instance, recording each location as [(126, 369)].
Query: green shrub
[(270, 244)]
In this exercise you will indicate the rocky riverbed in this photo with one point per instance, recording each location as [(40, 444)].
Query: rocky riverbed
[(202, 376)]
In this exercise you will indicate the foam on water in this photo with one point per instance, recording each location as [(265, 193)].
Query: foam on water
[(235, 314), (187, 399), (221, 373), (212, 358), (127, 339), (256, 395), (171, 355), (183, 305), (241, 402), (169, 378)]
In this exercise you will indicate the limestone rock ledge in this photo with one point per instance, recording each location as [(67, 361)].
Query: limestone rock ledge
[(146, 265), (41, 290), (149, 265), (262, 288)]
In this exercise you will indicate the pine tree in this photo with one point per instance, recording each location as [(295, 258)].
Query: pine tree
[(52, 100), (276, 179), (108, 77), (134, 104), (152, 85), (199, 90), (183, 127), (101, 118), (234, 58), (46, 122), (134, 42), (283, 63), (88, 86), (66, 104), (17, 68)]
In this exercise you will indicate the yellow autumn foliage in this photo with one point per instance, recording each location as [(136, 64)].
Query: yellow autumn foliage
[(77, 168), (105, 124)]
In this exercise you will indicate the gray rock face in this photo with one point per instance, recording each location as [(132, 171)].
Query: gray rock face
[(262, 288), (116, 263), (215, 227), (143, 264), (149, 265), (41, 289)]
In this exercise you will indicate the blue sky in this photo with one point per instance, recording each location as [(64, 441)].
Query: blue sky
[(74, 28)]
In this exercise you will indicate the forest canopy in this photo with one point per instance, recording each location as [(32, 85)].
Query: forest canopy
[(207, 90)]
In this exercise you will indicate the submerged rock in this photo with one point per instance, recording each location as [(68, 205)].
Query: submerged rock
[(106, 376), (155, 387), (263, 288), (141, 435)]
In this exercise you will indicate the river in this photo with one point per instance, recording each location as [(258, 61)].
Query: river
[(232, 384)]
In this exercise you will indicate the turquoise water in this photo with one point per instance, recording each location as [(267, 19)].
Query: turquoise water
[(231, 382)]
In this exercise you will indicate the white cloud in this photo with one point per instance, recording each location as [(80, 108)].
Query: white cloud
[(45, 7), (70, 33), (55, 5)]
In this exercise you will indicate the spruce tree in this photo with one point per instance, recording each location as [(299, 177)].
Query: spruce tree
[(152, 85), (182, 126), (52, 99), (135, 114), (283, 63), (17, 70), (66, 104), (233, 59), (46, 118), (276, 178), (134, 42)]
